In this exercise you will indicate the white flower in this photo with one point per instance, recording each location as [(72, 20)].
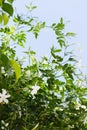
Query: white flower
[(4, 125), (85, 120), (39, 74), (70, 126), (3, 96), (34, 90), (83, 106), (2, 70), (27, 73), (78, 106)]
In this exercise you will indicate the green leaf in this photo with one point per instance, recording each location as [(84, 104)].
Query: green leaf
[(61, 20), (4, 59), (71, 59), (28, 7), (61, 42), (8, 8), (11, 1), (54, 24), (5, 18), (1, 2), (16, 68), (34, 7), (43, 25), (71, 34), (21, 43), (0, 18)]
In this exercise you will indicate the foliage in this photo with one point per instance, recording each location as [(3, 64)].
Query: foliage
[(45, 95), (6, 10)]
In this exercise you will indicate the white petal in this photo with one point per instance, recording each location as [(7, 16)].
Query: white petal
[(6, 124), (2, 121), (2, 127), (35, 87), (1, 100), (33, 92), (6, 101), (7, 96), (0, 94), (83, 106), (4, 91)]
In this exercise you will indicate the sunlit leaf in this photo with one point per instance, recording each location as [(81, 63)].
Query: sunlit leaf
[(16, 68), (34, 7), (1, 2), (0, 18), (5, 18), (71, 34), (10, 1)]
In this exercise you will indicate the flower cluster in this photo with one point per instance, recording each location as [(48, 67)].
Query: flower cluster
[(4, 97), (4, 125), (78, 106), (85, 120), (34, 90)]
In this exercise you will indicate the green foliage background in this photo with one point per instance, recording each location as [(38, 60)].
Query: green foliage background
[(61, 101)]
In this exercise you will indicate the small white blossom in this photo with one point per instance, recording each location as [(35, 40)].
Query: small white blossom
[(70, 126), (28, 73), (2, 70), (85, 120), (78, 106), (39, 74), (83, 106), (4, 125), (3, 96), (34, 90)]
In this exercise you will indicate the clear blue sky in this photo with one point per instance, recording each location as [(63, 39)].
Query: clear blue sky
[(50, 11)]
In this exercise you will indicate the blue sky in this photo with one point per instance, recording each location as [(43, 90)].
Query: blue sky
[(50, 11)]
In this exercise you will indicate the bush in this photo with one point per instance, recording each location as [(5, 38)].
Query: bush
[(46, 94)]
